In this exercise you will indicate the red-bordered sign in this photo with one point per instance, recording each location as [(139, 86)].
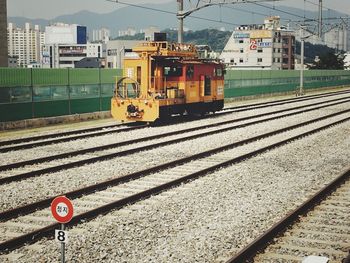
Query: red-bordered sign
[(253, 45), (62, 209)]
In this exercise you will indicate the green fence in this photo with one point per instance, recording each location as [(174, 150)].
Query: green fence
[(240, 83), (36, 93)]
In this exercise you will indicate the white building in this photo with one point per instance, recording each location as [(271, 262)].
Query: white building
[(130, 31), (347, 61), (60, 33), (259, 47), (116, 50), (66, 55), (26, 44), (67, 44), (149, 32), (337, 38), (101, 35)]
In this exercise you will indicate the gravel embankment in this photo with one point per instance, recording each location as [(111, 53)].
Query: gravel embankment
[(211, 218)]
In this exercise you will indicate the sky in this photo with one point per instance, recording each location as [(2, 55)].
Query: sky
[(48, 9)]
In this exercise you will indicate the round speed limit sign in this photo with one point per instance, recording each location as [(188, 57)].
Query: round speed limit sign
[(62, 209)]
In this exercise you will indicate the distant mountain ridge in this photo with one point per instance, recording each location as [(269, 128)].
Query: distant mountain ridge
[(138, 18)]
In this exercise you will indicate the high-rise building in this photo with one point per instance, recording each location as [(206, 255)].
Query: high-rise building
[(337, 38), (266, 46), (101, 35), (3, 35), (130, 31), (25, 44)]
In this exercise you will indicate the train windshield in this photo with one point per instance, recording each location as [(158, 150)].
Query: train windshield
[(173, 71)]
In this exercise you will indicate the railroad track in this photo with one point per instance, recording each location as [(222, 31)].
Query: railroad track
[(102, 156), (22, 225), (43, 140), (48, 139), (319, 227)]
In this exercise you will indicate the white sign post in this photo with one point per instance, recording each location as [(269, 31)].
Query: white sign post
[(62, 211)]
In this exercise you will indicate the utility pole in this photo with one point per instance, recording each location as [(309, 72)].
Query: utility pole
[(302, 39), (180, 30), (320, 18)]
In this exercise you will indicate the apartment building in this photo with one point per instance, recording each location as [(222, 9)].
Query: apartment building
[(26, 44)]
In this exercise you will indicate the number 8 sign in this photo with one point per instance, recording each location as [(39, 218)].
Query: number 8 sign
[(61, 236)]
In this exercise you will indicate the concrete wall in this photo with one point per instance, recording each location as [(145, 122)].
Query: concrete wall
[(3, 34)]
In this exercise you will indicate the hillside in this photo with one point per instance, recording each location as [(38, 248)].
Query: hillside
[(217, 40), (142, 18)]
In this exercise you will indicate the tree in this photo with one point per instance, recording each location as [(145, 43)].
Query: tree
[(330, 60)]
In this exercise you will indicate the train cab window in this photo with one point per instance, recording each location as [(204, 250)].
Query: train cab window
[(189, 72), (207, 86), (172, 71), (218, 72), (138, 75)]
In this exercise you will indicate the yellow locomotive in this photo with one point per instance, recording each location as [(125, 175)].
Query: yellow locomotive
[(162, 78)]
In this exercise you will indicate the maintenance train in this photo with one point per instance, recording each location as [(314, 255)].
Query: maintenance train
[(162, 78)]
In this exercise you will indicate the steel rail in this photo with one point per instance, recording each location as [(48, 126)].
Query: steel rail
[(287, 101), (115, 181), (66, 166), (263, 241), (115, 145), (49, 230), (66, 139), (58, 134), (55, 135)]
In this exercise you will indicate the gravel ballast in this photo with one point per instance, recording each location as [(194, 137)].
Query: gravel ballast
[(211, 218), (44, 151), (19, 193)]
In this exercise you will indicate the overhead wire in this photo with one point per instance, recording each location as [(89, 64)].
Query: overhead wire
[(170, 12), (235, 8)]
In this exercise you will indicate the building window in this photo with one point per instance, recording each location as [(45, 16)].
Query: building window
[(260, 50), (259, 59), (241, 50), (241, 41), (241, 60), (232, 60)]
